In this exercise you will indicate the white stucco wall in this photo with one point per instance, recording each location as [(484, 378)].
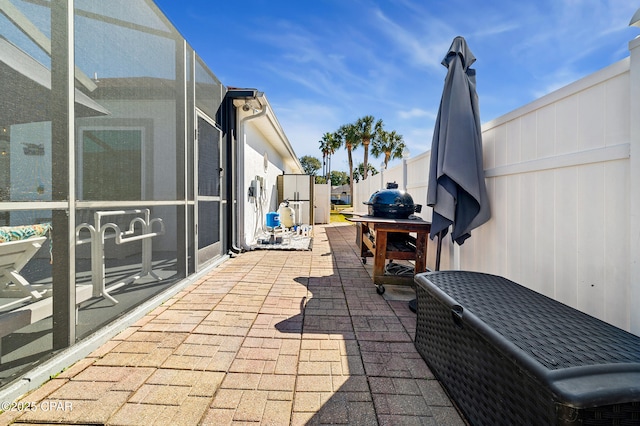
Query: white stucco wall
[(256, 208), (28, 172)]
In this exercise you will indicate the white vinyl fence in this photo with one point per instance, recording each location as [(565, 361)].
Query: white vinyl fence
[(563, 175), (322, 203)]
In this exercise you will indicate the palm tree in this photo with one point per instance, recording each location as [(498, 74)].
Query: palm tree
[(390, 144), (324, 148), (334, 144), (329, 143), (348, 134), (368, 128), (358, 172)]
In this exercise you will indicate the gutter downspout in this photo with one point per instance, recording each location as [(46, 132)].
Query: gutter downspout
[(232, 155), (241, 194)]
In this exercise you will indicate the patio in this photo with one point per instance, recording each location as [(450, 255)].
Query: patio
[(269, 337)]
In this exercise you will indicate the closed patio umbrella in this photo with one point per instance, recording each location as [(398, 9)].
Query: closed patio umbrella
[(457, 190)]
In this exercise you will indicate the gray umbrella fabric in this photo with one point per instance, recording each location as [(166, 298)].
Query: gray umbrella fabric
[(457, 190)]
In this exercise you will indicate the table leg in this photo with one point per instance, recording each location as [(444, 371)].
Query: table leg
[(361, 229), (421, 252), (380, 255)]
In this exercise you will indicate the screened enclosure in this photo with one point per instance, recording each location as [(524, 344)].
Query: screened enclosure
[(111, 155)]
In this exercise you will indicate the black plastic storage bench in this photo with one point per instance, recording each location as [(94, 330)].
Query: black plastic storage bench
[(508, 355)]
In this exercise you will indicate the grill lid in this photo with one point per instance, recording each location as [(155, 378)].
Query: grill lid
[(392, 203)]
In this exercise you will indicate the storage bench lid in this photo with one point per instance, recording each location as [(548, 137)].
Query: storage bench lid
[(559, 344)]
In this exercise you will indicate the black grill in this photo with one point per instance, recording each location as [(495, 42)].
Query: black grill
[(392, 203)]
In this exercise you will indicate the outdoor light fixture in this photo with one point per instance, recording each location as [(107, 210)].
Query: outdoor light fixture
[(635, 21), (246, 107)]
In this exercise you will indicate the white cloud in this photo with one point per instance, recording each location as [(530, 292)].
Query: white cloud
[(304, 123), (424, 45), (416, 113)]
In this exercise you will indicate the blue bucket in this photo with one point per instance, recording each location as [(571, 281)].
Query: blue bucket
[(273, 219)]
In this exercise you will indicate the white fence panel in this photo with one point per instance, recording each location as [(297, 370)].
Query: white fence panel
[(559, 177), (393, 174), (322, 202), (565, 161)]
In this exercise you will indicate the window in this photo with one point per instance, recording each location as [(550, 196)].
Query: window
[(112, 164)]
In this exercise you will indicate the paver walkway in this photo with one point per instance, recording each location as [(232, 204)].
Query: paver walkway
[(269, 337)]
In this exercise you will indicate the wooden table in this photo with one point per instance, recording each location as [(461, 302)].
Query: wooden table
[(383, 239)]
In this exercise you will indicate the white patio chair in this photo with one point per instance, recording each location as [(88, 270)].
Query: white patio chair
[(14, 255)]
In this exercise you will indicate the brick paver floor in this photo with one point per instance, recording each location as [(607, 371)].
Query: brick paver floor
[(268, 337)]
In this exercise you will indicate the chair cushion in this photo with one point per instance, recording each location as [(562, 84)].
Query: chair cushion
[(16, 233)]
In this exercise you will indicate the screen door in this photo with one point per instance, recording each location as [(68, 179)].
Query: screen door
[(209, 223)]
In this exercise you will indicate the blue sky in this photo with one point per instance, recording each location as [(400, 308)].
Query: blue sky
[(325, 63)]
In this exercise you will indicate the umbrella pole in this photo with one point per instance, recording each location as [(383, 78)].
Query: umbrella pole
[(438, 250)]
